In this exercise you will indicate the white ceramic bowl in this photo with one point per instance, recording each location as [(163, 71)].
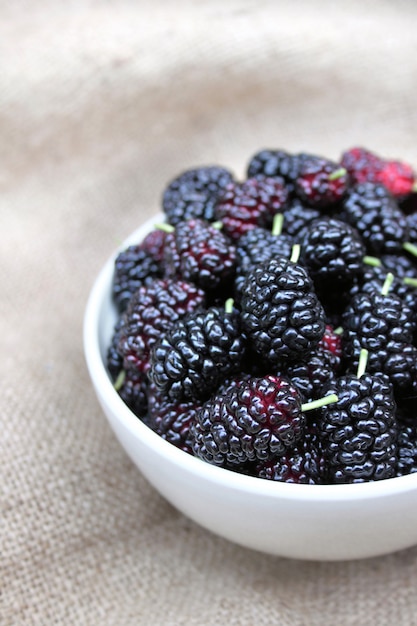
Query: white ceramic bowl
[(319, 522)]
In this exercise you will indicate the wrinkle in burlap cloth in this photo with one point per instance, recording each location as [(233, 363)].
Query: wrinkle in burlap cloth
[(101, 103)]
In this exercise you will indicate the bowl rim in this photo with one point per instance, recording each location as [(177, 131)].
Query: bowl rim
[(218, 475)]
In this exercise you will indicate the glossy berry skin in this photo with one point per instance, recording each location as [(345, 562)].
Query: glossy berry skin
[(297, 217), (361, 164), (374, 213), (373, 279), (359, 431), (171, 420), (407, 449), (150, 313), (331, 343), (366, 166), (199, 253), (310, 375), (332, 252), (384, 326), (197, 354), (154, 243), (378, 318), (303, 464), (257, 246), (281, 313), (114, 359), (134, 393), (315, 186), (193, 194), (256, 420), (133, 267), (400, 265), (275, 163), (254, 202)]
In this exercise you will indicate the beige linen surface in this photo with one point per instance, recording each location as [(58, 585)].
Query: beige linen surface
[(101, 102)]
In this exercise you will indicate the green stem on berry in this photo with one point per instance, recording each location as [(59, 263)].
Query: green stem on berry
[(414, 187), (317, 404), (118, 384), (277, 224), (363, 362), (228, 305), (338, 330), (410, 247), (372, 260), (295, 253), (387, 284), (168, 228), (338, 173), (218, 225), (412, 282)]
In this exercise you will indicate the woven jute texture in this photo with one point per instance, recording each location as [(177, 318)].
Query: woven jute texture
[(101, 103)]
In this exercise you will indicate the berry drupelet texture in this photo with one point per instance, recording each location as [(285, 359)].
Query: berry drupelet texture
[(400, 265), (302, 464), (197, 354), (251, 203), (373, 279), (359, 431), (154, 243), (275, 163), (361, 164), (407, 449), (171, 420), (228, 385), (332, 252), (297, 217), (193, 194), (255, 420), (310, 375), (150, 313), (257, 246), (320, 182), (133, 267), (114, 359), (374, 213), (281, 314), (383, 325), (366, 166), (132, 387), (331, 343), (199, 253)]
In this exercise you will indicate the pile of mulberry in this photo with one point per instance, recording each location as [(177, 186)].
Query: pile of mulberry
[(268, 325)]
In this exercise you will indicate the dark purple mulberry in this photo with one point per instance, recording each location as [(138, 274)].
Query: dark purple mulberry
[(193, 194), (258, 419), (197, 354), (320, 182), (359, 431), (254, 202), (150, 313), (374, 213), (281, 313), (171, 420), (302, 464), (201, 254)]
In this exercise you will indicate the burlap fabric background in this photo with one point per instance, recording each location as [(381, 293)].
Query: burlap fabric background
[(101, 102)]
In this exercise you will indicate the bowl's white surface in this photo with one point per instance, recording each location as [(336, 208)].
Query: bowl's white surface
[(323, 522)]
